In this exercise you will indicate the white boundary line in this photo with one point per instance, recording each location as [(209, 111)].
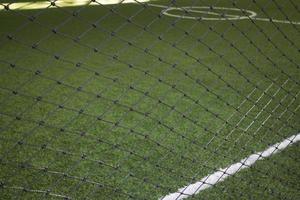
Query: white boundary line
[(277, 21), (165, 11), (223, 173), (252, 14), (193, 9)]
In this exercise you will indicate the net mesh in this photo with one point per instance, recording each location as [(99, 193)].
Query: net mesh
[(134, 99)]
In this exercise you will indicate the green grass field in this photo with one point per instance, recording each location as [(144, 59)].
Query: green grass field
[(123, 102)]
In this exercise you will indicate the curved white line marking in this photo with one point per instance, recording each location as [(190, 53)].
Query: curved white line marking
[(223, 173), (193, 9), (252, 15)]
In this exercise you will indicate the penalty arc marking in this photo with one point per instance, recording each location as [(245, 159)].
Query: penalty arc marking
[(217, 16), (166, 9)]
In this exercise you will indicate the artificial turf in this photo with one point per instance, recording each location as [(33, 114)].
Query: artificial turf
[(283, 167), (122, 102)]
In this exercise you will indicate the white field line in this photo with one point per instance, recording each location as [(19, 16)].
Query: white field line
[(223, 173), (228, 17), (277, 21), (225, 17), (158, 6), (71, 3)]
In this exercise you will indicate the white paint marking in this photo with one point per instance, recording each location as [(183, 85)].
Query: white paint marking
[(158, 6), (277, 21), (224, 173), (204, 10), (194, 9), (166, 11)]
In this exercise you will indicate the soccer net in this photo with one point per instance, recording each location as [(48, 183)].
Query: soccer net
[(138, 99)]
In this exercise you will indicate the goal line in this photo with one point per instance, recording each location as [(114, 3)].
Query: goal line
[(223, 173)]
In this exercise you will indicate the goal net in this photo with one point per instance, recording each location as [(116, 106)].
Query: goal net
[(131, 99)]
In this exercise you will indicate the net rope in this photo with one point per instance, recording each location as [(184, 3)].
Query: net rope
[(135, 100)]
